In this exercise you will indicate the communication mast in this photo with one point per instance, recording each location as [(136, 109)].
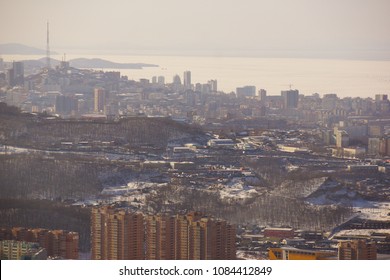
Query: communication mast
[(47, 48)]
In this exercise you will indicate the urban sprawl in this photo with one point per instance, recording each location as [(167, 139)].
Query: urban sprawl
[(94, 165)]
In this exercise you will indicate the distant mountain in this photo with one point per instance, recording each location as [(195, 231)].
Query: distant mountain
[(13, 48), (101, 63), (86, 63)]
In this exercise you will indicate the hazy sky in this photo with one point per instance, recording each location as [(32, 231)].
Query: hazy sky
[(340, 27)]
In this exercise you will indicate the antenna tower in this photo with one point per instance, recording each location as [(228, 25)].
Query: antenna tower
[(47, 48)]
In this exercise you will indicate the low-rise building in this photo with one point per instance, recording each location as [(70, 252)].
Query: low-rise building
[(281, 233), (21, 250), (221, 143), (291, 253)]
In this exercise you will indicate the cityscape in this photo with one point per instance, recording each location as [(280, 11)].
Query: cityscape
[(181, 170), (96, 164)]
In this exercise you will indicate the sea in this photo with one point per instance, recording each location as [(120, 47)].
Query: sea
[(346, 78)]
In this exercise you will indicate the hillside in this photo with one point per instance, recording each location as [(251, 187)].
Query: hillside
[(42, 132)]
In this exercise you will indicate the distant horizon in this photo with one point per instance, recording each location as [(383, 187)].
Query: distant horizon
[(348, 29), (374, 55)]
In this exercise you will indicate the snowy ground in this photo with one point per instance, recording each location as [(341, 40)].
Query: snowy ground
[(362, 232), (133, 192), (379, 212), (249, 255), (235, 190), (14, 150)]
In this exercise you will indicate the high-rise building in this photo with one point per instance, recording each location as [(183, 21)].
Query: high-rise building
[(117, 234), (10, 76), (246, 91), (187, 79), (329, 101), (193, 237), (99, 100), (384, 146), (161, 80), (290, 98), (357, 250), (18, 67), (1, 65), (213, 85), (65, 105), (262, 94), (183, 238), (160, 241)]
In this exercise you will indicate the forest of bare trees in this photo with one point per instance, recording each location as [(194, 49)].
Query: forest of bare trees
[(265, 210), (35, 177), (25, 130)]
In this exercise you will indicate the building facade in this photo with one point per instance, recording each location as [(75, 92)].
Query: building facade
[(290, 98), (357, 250), (116, 234), (279, 233), (99, 100), (120, 234), (187, 80), (21, 250), (58, 243)]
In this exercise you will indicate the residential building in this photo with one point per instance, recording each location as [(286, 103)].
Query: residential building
[(117, 234), (57, 243), (160, 241), (290, 98), (21, 250), (246, 91), (65, 105), (263, 94), (18, 67), (121, 234), (359, 249), (99, 100), (213, 85), (187, 80)]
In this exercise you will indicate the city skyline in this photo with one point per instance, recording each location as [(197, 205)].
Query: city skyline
[(300, 28), (182, 130)]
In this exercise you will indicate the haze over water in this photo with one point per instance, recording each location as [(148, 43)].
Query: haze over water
[(346, 78)]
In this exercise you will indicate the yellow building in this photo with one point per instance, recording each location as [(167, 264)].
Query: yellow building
[(17, 250), (291, 253)]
